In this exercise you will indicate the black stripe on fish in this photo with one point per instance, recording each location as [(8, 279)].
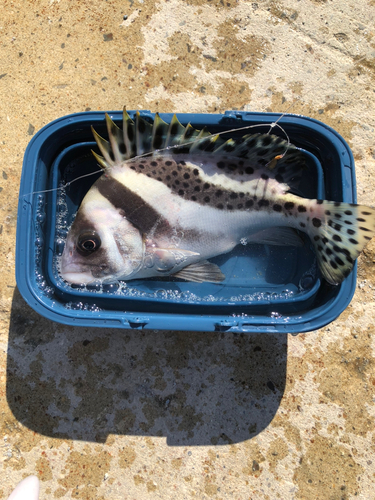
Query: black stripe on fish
[(135, 208)]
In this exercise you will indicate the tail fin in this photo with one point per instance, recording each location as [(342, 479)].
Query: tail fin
[(339, 232)]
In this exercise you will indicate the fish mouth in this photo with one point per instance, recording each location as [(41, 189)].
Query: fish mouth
[(75, 273), (78, 277)]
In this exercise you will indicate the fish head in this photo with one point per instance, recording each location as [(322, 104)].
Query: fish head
[(102, 245)]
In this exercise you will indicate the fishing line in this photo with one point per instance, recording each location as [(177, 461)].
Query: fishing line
[(271, 164), (67, 184), (239, 129)]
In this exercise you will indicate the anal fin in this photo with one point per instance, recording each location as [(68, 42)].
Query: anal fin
[(279, 236)]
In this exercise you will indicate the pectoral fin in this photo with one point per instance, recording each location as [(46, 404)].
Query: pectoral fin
[(165, 259), (200, 272)]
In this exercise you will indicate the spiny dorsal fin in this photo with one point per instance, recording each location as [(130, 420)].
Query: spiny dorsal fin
[(200, 141), (159, 133), (189, 134), (175, 132), (100, 160), (266, 153), (143, 134), (128, 130), (104, 147), (116, 140)]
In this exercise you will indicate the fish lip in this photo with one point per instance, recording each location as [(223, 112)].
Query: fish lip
[(78, 277), (75, 273)]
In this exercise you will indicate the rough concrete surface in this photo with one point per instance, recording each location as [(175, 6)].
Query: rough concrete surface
[(111, 414)]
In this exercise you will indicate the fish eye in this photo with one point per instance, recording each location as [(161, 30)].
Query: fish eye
[(88, 243)]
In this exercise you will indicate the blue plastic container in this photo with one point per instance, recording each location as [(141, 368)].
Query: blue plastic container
[(267, 289)]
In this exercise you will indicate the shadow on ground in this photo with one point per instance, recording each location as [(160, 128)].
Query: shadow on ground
[(192, 388)]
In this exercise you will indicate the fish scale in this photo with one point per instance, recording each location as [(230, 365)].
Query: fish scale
[(165, 179)]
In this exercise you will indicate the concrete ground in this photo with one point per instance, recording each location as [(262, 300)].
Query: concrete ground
[(111, 414)]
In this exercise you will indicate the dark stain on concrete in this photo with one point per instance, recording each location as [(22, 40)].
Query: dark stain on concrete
[(193, 388)]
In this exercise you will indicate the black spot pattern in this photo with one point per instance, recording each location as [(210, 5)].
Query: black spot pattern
[(339, 261), (253, 154), (263, 203), (186, 182), (316, 222), (174, 129)]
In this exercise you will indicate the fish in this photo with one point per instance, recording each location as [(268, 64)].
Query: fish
[(27, 489), (172, 197)]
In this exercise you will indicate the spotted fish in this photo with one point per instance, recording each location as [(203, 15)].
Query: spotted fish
[(171, 197)]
